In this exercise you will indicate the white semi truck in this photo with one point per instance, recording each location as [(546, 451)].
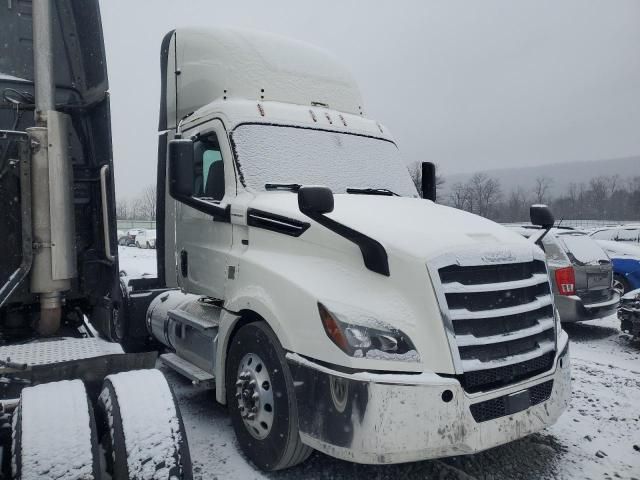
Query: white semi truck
[(329, 305)]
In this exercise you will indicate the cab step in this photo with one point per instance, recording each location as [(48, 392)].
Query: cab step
[(188, 370)]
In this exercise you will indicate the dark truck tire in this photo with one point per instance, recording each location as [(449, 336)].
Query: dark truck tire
[(620, 284), (256, 348), (54, 434), (142, 430)]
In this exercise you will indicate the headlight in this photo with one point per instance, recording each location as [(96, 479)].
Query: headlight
[(381, 342)]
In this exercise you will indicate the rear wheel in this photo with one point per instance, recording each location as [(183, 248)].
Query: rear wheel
[(261, 399), (148, 246), (137, 244), (620, 284), (54, 434), (142, 430)]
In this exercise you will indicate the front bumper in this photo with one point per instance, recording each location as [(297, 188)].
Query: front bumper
[(571, 308), (393, 418)]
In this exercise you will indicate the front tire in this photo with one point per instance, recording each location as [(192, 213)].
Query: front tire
[(259, 383)]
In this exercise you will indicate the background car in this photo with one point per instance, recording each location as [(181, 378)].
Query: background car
[(581, 274), (146, 239), (626, 233), (626, 264), (128, 238), (629, 313)]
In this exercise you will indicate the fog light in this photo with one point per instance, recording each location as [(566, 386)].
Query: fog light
[(447, 396)]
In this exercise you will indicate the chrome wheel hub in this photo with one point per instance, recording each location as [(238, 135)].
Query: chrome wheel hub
[(255, 396)]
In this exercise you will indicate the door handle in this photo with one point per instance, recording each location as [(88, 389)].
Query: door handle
[(184, 263), (105, 213)]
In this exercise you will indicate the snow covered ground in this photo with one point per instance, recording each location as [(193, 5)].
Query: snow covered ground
[(598, 437)]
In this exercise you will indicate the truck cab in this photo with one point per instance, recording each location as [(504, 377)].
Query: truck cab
[(331, 306)]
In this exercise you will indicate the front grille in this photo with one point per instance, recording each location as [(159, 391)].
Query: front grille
[(479, 274), (502, 406), (502, 320), (499, 299), (502, 325), (498, 377)]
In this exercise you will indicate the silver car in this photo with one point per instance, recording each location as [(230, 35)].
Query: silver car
[(581, 274)]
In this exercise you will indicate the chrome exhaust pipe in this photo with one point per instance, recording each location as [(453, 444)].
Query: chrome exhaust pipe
[(54, 255)]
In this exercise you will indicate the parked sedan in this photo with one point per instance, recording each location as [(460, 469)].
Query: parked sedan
[(146, 239), (581, 274), (626, 264), (128, 239), (629, 234)]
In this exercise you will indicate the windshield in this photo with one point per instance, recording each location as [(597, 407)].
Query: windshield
[(277, 154)]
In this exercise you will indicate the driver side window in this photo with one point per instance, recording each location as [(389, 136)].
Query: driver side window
[(209, 168)]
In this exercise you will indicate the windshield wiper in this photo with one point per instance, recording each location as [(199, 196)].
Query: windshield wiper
[(373, 191), (293, 187)]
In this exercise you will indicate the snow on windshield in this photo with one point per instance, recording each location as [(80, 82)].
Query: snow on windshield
[(277, 154), (583, 248)]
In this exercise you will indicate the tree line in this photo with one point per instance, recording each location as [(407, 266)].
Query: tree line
[(601, 198), (141, 207)]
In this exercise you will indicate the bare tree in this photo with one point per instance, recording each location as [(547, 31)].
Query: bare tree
[(541, 189), (516, 206), (122, 209), (459, 196), (484, 194), (148, 203), (613, 182)]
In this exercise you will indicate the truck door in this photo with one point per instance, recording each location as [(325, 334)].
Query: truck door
[(202, 242)]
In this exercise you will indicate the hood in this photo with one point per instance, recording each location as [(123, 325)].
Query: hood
[(412, 226)]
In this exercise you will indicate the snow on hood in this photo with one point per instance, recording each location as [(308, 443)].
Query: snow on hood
[(413, 226)]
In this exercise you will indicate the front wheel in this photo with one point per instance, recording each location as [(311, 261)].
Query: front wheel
[(261, 399)]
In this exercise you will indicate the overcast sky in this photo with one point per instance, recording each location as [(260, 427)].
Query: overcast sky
[(470, 85)]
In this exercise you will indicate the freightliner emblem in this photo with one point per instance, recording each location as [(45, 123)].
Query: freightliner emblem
[(499, 256)]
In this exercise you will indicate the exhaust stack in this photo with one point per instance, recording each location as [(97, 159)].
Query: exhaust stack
[(54, 258)]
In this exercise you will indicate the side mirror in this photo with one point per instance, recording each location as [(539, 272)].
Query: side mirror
[(315, 200), (541, 216), (429, 181), (180, 168)]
